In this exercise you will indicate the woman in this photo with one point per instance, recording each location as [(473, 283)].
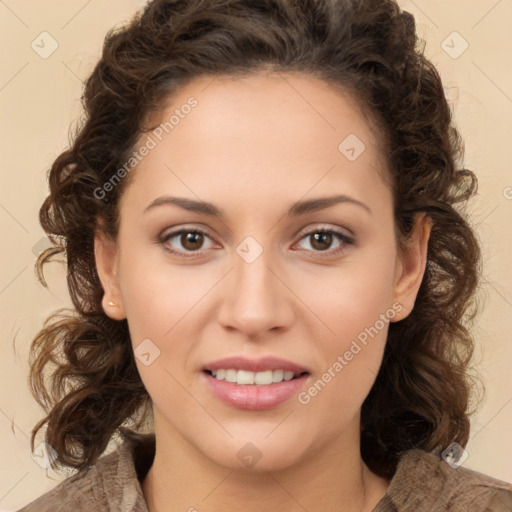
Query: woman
[(269, 270)]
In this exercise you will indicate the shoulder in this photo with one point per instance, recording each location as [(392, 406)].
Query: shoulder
[(79, 491), (110, 484), (424, 481)]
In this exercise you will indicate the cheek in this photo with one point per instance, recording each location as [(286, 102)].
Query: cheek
[(159, 301), (353, 295), (355, 304), (351, 360), (164, 303), (156, 295)]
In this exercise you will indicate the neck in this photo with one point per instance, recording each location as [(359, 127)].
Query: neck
[(333, 478)]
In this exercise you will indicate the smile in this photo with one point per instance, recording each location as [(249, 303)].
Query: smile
[(263, 378), (244, 393)]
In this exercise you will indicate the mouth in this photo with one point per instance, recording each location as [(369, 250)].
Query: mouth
[(255, 384), (261, 378), (254, 391)]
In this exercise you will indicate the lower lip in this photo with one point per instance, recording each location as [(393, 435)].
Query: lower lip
[(254, 397)]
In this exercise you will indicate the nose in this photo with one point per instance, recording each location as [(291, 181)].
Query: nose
[(255, 297)]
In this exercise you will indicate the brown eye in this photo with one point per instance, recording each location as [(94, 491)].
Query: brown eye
[(185, 242), (192, 240), (321, 241)]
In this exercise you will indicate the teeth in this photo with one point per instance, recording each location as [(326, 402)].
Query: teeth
[(257, 378)]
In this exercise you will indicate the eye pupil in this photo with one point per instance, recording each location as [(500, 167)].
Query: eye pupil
[(192, 240), (325, 238)]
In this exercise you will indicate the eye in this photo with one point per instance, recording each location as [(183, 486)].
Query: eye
[(321, 239), (191, 241)]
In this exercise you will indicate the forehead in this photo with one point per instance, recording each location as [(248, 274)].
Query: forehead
[(273, 99), (263, 131)]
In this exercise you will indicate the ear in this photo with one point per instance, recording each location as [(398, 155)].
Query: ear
[(411, 264), (105, 253)]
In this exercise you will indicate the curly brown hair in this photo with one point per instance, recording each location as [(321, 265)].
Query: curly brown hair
[(422, 393)]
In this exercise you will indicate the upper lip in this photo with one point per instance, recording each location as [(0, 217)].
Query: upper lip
[(255, 365)]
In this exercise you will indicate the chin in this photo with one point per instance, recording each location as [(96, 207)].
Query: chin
[(254, 457)]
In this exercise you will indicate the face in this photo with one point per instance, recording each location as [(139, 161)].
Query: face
[(274, 273)]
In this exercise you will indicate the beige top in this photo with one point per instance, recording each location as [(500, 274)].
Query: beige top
[(423, 482)]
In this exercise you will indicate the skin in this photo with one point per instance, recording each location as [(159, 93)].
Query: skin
[(253, 147)]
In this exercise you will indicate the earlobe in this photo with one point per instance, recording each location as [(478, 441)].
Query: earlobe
[(105, 254), (411, 266)]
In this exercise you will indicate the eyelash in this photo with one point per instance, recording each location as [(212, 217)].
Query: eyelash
[(189, 254)]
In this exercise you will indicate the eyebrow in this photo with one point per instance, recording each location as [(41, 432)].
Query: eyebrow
[(299, 208)]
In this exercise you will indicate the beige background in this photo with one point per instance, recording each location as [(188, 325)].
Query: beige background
[(40, 98)]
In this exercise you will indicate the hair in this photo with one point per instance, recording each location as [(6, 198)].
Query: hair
[(422, 393)]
